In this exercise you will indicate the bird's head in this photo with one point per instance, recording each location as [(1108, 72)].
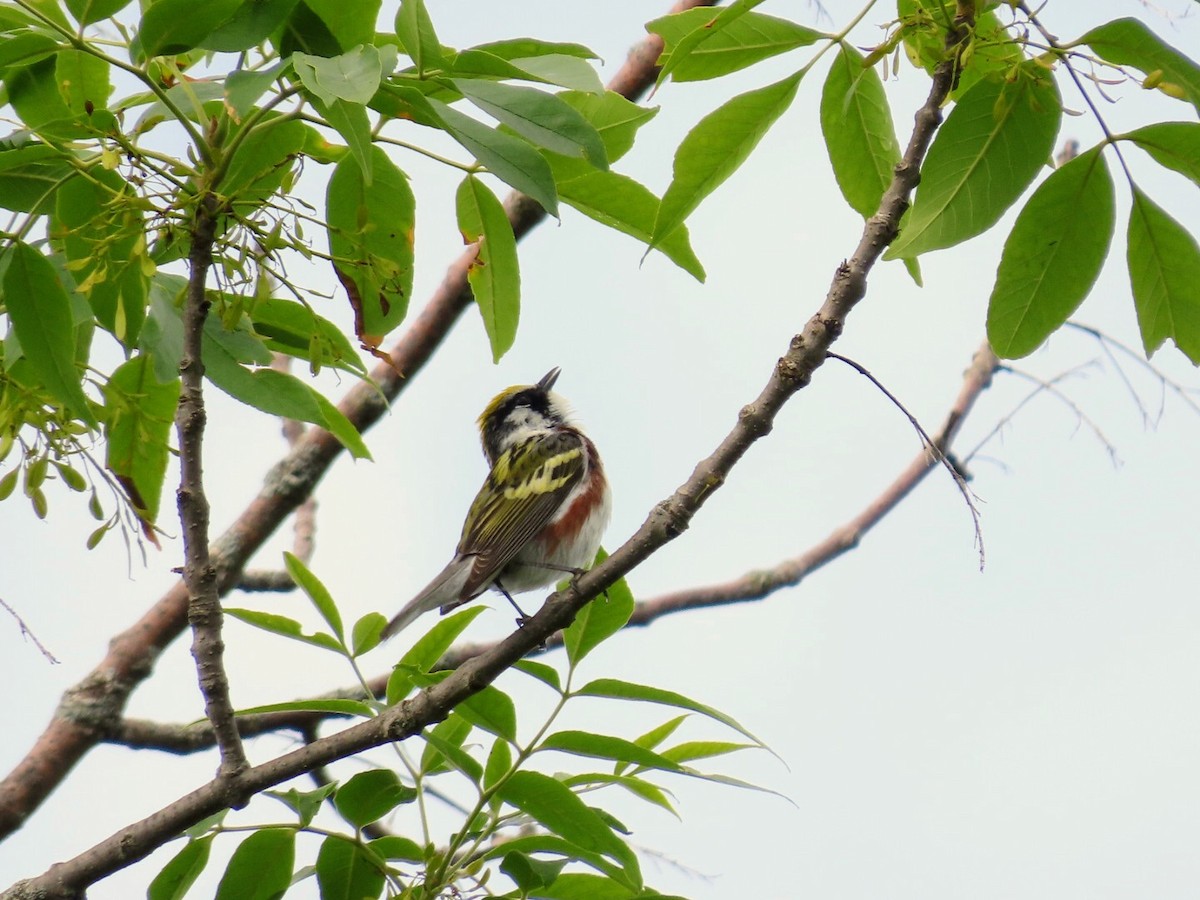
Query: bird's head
[(520, 411)]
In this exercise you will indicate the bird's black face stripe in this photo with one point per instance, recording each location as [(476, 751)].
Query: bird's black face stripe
[(532, 398)]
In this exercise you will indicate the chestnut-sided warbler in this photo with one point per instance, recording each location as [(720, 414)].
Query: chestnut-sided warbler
[(540, 513)]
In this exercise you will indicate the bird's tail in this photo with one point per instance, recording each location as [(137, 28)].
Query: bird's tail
[(444, 589)]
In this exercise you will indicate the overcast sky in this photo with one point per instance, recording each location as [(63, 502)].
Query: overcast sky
[(1028, 731)]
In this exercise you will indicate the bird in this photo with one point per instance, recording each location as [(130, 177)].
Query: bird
[(541, 511)]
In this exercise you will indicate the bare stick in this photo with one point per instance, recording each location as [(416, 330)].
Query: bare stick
[(199, 573), (27, 632), (934, 449)]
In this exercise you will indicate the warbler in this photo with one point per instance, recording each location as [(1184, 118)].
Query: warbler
[(541, 511)]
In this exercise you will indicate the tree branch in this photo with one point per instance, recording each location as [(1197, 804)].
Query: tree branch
[(751, 586), (199, 573), (90, 709), (666, 521)]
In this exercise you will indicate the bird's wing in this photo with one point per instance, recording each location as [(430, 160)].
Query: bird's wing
[(526, 486)]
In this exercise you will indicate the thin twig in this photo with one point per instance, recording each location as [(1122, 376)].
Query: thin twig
[(1107, 342), (931, 447), (26, 631), (1081, 418)]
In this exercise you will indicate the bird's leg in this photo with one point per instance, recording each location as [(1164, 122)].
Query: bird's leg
[(573, 571), (521, 617)]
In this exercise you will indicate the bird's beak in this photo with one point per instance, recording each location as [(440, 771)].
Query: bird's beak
[(548, 379)]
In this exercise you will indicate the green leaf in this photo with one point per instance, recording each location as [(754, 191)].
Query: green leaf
[(295, 329), (395, 847), (366, 632), (858, 129), (263, 161), (444, 749), (98, 225), (334, 707), (83, 79), (31, 176), (1129, 42), (207, 824), (619, 202), (615, 118), (690, 750), (548, 843), (137, 429), (177, 876), (284, 626), (88, 11), (990, 148), (352, 123), (244, 87), (33, 91), (586, 886), (1164, 269), (499, 762), (526, 48), (306, 804), (529, 873), (601, 618), (548, 675), (565, 70), (371, 238), (1052, 256), (369, 796), (510, 159), (495, 275), (345, 871), (550, 803), (639, 787), (249, 26), (330, 27), (660, 733), (425, 653), (492, 710), (353, 76), (742, 42), (176, 26), (40, 312), (261, 866), (690, 42), (615, 689), (603, 746), (316, 592), (541, 118), (276, 393), (1174, 145), (414, 28), (27, 47), (162, 335), (716, 147)]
